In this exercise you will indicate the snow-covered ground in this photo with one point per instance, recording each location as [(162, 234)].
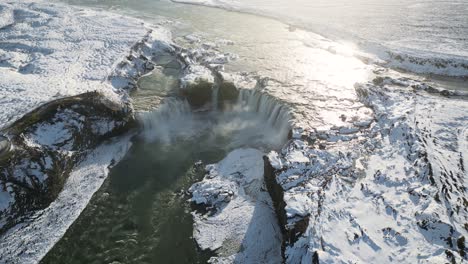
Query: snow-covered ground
[(374, 172), (393, 192), (29, 241), (241, 223), (50, 51)]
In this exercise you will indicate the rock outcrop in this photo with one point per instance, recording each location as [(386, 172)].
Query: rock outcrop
[(46, 145)]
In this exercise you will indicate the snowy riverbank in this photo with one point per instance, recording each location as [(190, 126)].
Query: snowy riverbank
[(53, 52), (394, 191)]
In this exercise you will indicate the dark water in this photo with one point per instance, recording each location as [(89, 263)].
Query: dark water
[(139, 215)]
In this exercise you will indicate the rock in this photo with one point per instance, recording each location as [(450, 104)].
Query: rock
[(5, 146), (198, 93), (228, 91), (379, 187), (196, 85), (49, 142)]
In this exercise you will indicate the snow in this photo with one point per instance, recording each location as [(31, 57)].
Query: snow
[(6, 16), (27, 243), (57, 132), (242, 226), (296, 157), (377, 170), (6, 199), (393, 194), (275, 160), (52, 51), (201, 61), (196, 74)]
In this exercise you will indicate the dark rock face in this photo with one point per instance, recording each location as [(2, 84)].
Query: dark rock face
[(198, 94), (48, 142), (277, 196), (5, 147), (292, 230), (228, 93)]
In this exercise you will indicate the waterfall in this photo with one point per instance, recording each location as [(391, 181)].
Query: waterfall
[(254, 120), (173, 119), (267, 107), (214, 97)]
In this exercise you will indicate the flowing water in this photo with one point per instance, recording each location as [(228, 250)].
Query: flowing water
[(436, 27)]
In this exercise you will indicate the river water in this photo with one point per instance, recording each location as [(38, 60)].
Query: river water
[(422, 26)]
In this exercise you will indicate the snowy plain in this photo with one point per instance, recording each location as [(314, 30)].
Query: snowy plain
[(50, 51)]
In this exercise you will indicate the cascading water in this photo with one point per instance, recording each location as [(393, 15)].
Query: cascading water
[(255, 119), (140, 215), (268, 108), (214, 97), (173, 119)]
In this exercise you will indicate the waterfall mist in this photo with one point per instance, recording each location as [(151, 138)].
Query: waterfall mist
[(254, 120)]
